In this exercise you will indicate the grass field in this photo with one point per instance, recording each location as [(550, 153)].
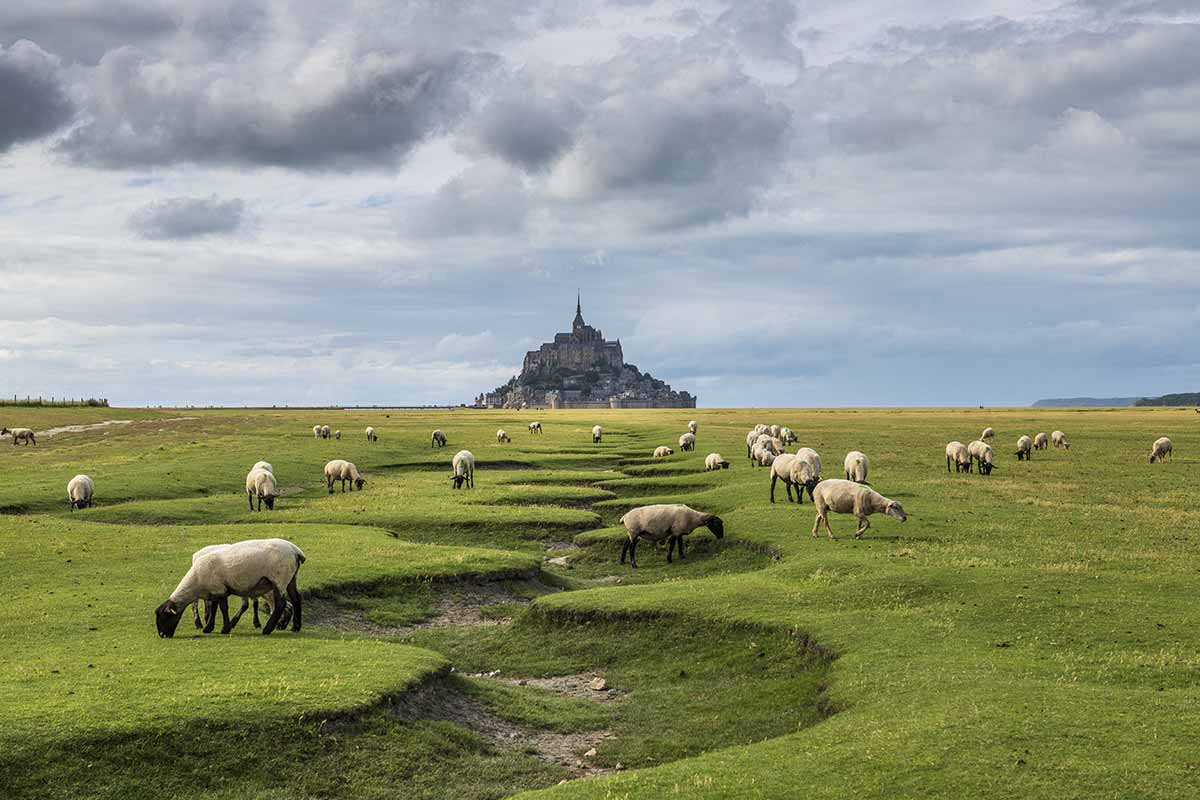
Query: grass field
[(1031, 634)]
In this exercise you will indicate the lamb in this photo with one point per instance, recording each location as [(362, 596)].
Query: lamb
[(805, 472), (957, 452), (597, 433), (535, 427), (713, 461), (663, 452), (687, 442), (337, 435), (1059, 439), (19, 435), (251, 568), (464, 469), (316, 431), (788, 436), (502, 437), (691, 426), (80, 491), (437, 439), (983, 455), (339, 470), (1024, 449), (856, 464), (1041, 441), (260, 483), (1162, 450), (372, 436), (988, 433), (324, 431), (781, 469), (848, 497), (263, 465), (210, 614), (670, 522)]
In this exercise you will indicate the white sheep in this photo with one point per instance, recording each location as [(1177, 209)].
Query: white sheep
[(670, 522), (1024, 449), (983, 455), (597, 434), (260, 483), (337, 435), (760, 428), (751, 438), (1162, 450), (1041, 441), (463, 465), (687, 442), (848, 497), (856, 464), (781, 469), (437, 439), (80, 491), (372, 436), (663, 452), (1059, 439), (535, 427), (776, 430), (340, 470), (958, 453), (764, 457), (20, 435), (325, 431), (788, 436), (988, 433), (805, 472), (263, 465), (316, 431), (502, 437), (713, 461), (691, 426), (251, 568), (211, 616)]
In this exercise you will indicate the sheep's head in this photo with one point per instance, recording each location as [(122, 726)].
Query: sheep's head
[(167, 617), (269, 499), (358, 482), (458, 480), (717, 527), (896, 510), (4, 431), (724, 465)]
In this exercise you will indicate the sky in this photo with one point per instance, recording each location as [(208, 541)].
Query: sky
[(771, 203)]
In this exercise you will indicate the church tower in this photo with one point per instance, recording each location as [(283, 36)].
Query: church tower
[(578, 325)]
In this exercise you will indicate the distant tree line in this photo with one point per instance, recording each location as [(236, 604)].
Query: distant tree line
[(55, 402), (1181, 399)]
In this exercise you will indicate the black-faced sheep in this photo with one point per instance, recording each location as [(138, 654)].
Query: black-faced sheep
[(437, 439), (713, 461), (372, 436), (984, 457), (1041, 441), (535, 427), (80, 491), (958, 453), (340, 470), (463, 466), (855, 465), (597, 434), (260, 484), (1024, 449), (848, 497), (670, 522), (687, 442), (1059, 439), (23, 435), (1162, 450)]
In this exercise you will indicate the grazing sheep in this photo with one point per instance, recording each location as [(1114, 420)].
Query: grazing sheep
[(848, 497), (983, 455), (1059, 439), (80, 491), (663, 452), (251, 568), (260, 483), (805, 472), (19, 435), (781, 469), (751, 438), (713, 461), (502, 437), (316, 431), (339, 470), (670, 522), (1024, 449), (988, 433), (775, 431), (788, 436), (764, 457), (535, 427), (856, 464), (763, 446), (687, 442), (760, 429), (1041, 441), (372, 436), (958, 453), (691, 426), (263, 465), (437, 439), (210, 614), (325, 431), (597, 433), (1162, 450), (337, 435), (463, 465)]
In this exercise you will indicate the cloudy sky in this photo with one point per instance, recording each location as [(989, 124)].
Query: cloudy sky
[(934, 202)]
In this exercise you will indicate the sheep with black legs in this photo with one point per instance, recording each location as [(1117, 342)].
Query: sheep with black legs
[(80, 491), (502, 437), (248, 569), (316, 431), (713, 461), (687, 442), (344, 471), (805, 472), (326, 431), (337, 435), (210, 615), (1162, 450), (372, 436), (597, 434), (437, 438), (788, 436), (848, 497), (1041, 441), (855, 465), (260, 484), (781, 469), (22, 435), (1024, 449), (663, 452), (535, 427), (751, 438), (958, 454), (463, 465), (983, 456), (1059, 439), (671, 522)]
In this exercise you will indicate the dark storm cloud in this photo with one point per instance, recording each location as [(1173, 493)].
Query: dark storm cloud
[(33, 99), (188, 217)]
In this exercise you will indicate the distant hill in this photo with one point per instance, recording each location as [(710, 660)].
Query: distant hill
[(1091, 401), (1181, 399)]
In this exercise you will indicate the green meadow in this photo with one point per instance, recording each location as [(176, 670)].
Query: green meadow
[(1034, 633)]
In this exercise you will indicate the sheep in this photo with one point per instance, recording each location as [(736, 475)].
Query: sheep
[(1041, 441), (670, 522), (325, 431), (250, 568), (1162, 450), (687, 442), (805, 472), (764, 442), (19, 435), (983, 456), (764, 458), (856, 464), (437, 439), (663, 452), (463, 465), (788, 436), (1059, 439), (210, 614), (751, 438), (597, 434), (260, 483), (988, 433), (848, 497), (713, 461), (339, 470), (263, 465), (957, 452), (372, 436), (535, 427), (781, 469), (337, 435), (775, 431), (691, 426), (80, 491), (1024, 449), (502, 437), (316, 431)]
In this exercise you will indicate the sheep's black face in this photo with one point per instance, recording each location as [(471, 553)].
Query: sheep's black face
[(717, 527), (458, 481), (167, 617), (358, 484), (896, 510), (270, 501)]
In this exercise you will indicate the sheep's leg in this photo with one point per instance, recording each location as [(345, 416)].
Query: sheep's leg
[(788, 486), (276, 611), (196, 615), (294, 596), (825, 518), (210, 616), (257, 624), (624, 550), (816, 525), (329, 482), (681, 547), (863, 524), (232, 623), (670, 547), (250, 498), (633, 552), (773, 479)]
